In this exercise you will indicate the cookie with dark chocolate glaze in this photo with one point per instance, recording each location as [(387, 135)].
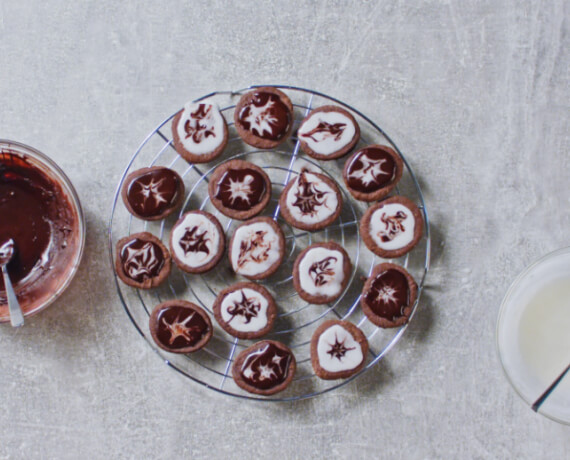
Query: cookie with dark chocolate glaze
[(372, 172), (197, 242), (179, 326), (239, 189), (245, 310), (142, 260), (152, 193), (328, 132), (311, 201), (263, 117), (338, 350), (199, 132), (265, 368), (392, 227), (321, 272), (389, 295), (257, 248)]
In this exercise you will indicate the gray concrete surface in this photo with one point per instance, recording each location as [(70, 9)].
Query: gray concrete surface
[(475, 93)]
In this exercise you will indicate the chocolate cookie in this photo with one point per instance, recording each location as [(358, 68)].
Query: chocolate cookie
[(179, 326), (372, 173), (239, 189), (197, 242), (321, 272), (245, 310), (389, 295), (265, 368), (200, 132), (338, 350), (152, 193), (264, 117), (310, 201), (328, 132), (142, 261), (392, 227), (257, 248)]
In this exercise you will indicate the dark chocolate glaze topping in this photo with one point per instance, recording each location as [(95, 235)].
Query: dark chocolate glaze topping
[(180, 327), (389, 294), (153, 192), (370, 170), (141, 259), (265, 116), (241, 189), (266, 367)]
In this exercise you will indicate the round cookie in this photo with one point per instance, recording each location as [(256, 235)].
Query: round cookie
[(338, 350), (200, 132), (392, 227), (142, 261), (179, 326), (239, 189), (388, 295), (197, 242), (265, 368), (245, 310), (321, 272), (264, 117), (372, 173), (328, 132), (310, 201), (152, 193), (257, 248)]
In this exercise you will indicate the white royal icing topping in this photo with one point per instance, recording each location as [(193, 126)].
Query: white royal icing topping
[(245, 310), (337, 350), (392, 226), (195, 240), (321, 272), (327, 132), (201, 128), (311, 200), (255, 248)]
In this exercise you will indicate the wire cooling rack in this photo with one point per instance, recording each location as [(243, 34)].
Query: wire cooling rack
[(296, 319)]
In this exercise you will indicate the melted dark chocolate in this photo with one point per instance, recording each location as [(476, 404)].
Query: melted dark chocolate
[(389, 294), (370, 170), (153, 192), (338, 349), (308, 196), (200, 131), (180, 327), (194, 241), (141, 259), (266, 367), (248, 308), (265, 116), (321, 272), (241, 189)]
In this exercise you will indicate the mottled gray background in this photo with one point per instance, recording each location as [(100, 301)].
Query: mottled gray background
[(476, 95)]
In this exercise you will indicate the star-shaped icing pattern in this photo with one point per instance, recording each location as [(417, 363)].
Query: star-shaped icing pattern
[(194, 241), (387, 294), (240, 189), (181, 329), (338, 348), (308, 196), (370, 171), (246, 307), (152, 190), (261, 118), (266, 372), (140, 262)]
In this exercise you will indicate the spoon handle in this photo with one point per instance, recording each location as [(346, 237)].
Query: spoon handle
[(16, 316), (549, 390)]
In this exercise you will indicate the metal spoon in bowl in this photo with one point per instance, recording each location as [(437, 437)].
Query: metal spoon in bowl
[(6, 254), (549, 390)]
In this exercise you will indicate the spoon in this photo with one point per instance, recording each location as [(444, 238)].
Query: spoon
[(6, 254), (550, 389)]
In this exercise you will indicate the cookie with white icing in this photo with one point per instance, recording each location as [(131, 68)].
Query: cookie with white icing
[(310, 201), (328, 132), (265, 368), (142, 261), (257, 248), (200, 132), (245, 310), (338, 350), (239, 189), (371, 173), (197, 242), (391, 228), (179, 326), (264, 117), (389, 295), (321, 272)]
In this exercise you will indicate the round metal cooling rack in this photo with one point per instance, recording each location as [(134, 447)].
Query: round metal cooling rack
[(297, 319)]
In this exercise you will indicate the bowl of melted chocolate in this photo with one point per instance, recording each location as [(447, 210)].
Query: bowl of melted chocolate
[(40, 211)]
